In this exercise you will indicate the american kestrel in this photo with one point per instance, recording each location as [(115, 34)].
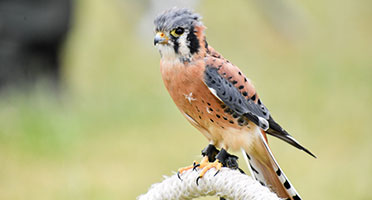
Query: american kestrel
[(219, 100)]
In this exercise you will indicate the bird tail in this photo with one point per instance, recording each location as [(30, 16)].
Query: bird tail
[(266, 170), (277, 131)]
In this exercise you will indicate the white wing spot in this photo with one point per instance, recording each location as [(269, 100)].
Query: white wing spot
[(214, 92), (208, 110), (189, 97), (264, 122)]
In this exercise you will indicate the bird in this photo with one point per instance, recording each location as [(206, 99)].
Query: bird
[(219, 100)]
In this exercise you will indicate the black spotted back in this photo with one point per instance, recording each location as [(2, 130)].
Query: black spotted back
[(231, 96)]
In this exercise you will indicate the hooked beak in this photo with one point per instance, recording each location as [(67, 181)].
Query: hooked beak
[(160, 38)]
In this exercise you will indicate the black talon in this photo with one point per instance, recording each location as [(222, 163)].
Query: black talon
[(197, 180), (178, 175), (218, 171), (195, 166), (241, 171)]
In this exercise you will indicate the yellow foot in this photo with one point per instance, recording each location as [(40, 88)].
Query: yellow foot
[(216, 164), (205, 165), (195, 164)]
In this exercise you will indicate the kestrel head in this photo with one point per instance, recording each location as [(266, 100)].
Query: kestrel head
[(179, 34)]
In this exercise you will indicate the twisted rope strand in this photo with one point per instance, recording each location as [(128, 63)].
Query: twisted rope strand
[(230, 184)]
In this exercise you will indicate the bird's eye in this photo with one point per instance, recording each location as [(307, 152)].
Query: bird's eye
[(177, 31)]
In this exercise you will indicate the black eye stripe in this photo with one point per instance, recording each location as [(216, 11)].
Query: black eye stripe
[(176, 45), (193, 41)]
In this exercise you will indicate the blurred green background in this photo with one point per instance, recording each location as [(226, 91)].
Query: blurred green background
[(113, 130)]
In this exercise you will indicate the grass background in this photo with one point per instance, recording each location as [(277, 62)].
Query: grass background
[(113, 130)]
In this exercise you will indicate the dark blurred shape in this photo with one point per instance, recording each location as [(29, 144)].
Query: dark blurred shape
[(31, 34)]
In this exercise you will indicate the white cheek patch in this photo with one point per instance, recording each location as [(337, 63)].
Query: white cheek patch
[(166, 51), (183, 45)]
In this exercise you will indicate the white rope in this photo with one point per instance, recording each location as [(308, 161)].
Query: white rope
[(228, 183)]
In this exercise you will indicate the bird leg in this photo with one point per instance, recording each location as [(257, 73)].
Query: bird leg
[(222, 159), (213, 158), (231, 161), (228, 160), (210, 152)]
